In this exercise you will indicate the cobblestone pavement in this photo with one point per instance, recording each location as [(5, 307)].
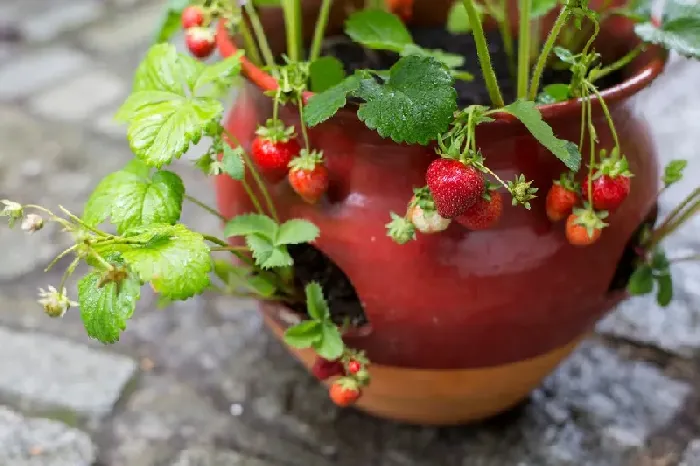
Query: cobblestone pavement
[(201, 384)]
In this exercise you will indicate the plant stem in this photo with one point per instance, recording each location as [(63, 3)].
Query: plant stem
[(250, 47), (69, 271), (606, 112), (215, 240), (375, 5), (695, 257), (259, 34), (320, 31), (292, 24), (622, 62), (229, 248), (300, 104), (201, 204), (591, 142), (546, 50), (675, 218), (60, 256), (256, 177), (524, 48), (101, 260), (483, 52)]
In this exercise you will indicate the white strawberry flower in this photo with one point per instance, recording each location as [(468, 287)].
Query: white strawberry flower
[(55, 303)]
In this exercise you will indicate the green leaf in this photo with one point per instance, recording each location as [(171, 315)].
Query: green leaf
[(324, 105), (530, 116), (164, 114), (297, 231), (541, 7), (458, 20), (316, 304), (304, 334), (233, 275), (220, 73), (131, 200), (105, 308), (174, 259), (659, 262), (679, 31), (641, 281), (248, 224), (664, 294), (326, 72), (555, 93), (565, 55), (414, 105), (378, 29), (170, 21), (266, 254), (673, 172), (232, 162), (448, 59), (137, 167), (262, 286), (331, 345)]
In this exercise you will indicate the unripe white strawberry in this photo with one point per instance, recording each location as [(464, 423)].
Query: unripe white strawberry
[(427, 221)]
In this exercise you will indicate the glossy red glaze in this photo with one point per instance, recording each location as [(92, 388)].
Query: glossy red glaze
[(461, 299)]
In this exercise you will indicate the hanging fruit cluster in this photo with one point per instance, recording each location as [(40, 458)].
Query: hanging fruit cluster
[(351, 370), (199, 38)]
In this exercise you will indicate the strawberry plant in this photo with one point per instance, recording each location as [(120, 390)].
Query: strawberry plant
[(175, 104)]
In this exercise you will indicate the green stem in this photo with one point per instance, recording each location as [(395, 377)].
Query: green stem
[(621, 63), (229, 248), (483, 52), (695, 257), (320, 31), (608, 117), (304, 132), (250, 47), (101, 260), (201, 204), (60, 256), (256, 177), (591, 142), (253, 198), (546, 50), (81, 223), (292, 24), (69, 271), (524, 48), (215, 240), (676, 213), (259, 34), (51, 215), (680, 220)]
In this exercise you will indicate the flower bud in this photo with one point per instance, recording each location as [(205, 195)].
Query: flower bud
[(32, 223), (13, 210), (55, 303)]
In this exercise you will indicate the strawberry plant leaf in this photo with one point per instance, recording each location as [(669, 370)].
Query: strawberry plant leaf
[(137, 167), (458, 20), (266, 254), (325, 72), (165, 112), (170, 21), (105, 307), (448, 59), (414, 105), (553, 93), (316, 304), (659, 262), (232, 162), (262, 286), (297, 231), (530, 116), (664, 293), (679, 30), (378, 29), (673, 172), (540, 8), (641, 281), (248, 224), (324, 105), (173, 258), (220, 74), (330, 346), (130, 200), (304, 334)]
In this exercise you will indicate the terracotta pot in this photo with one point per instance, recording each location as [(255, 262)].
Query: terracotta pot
[(462, 325)]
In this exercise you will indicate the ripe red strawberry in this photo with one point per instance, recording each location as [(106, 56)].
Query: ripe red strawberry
[(192, 17), (584, 226), (455, 187), (324, 369), (611, 184), (345, 392), (273, 149), (308, 176), (484, 214), (354, 367), (562, 197), (200, 42)]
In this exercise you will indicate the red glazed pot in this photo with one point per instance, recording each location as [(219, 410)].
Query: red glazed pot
[(463, 324)]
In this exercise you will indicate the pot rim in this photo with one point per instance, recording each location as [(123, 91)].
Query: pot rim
[(656, 58)]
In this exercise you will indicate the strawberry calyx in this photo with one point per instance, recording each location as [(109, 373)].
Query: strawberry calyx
[(423, 198), (400, 229), (612, 166), (347, 383), (306, 160), (590, 219), (567, 181), (521, 190), (275, 131)]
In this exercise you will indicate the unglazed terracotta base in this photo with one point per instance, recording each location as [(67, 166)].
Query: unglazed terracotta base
[(446, 397)]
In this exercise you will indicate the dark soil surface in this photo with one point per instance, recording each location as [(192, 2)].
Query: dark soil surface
[(310, 263)]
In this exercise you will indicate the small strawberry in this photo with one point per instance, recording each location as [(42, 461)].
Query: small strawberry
[(324, 369), (455, 186), (354, 367), (273, 149), (422, 213), (562, 197), (308, 175), (484, 214), (345, 392), (200, 42), (401, 8), (610, 184), (192, 17), (584, 226)]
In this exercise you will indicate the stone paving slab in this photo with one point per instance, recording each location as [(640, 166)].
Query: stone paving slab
[(42, 442), (41, 372)]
